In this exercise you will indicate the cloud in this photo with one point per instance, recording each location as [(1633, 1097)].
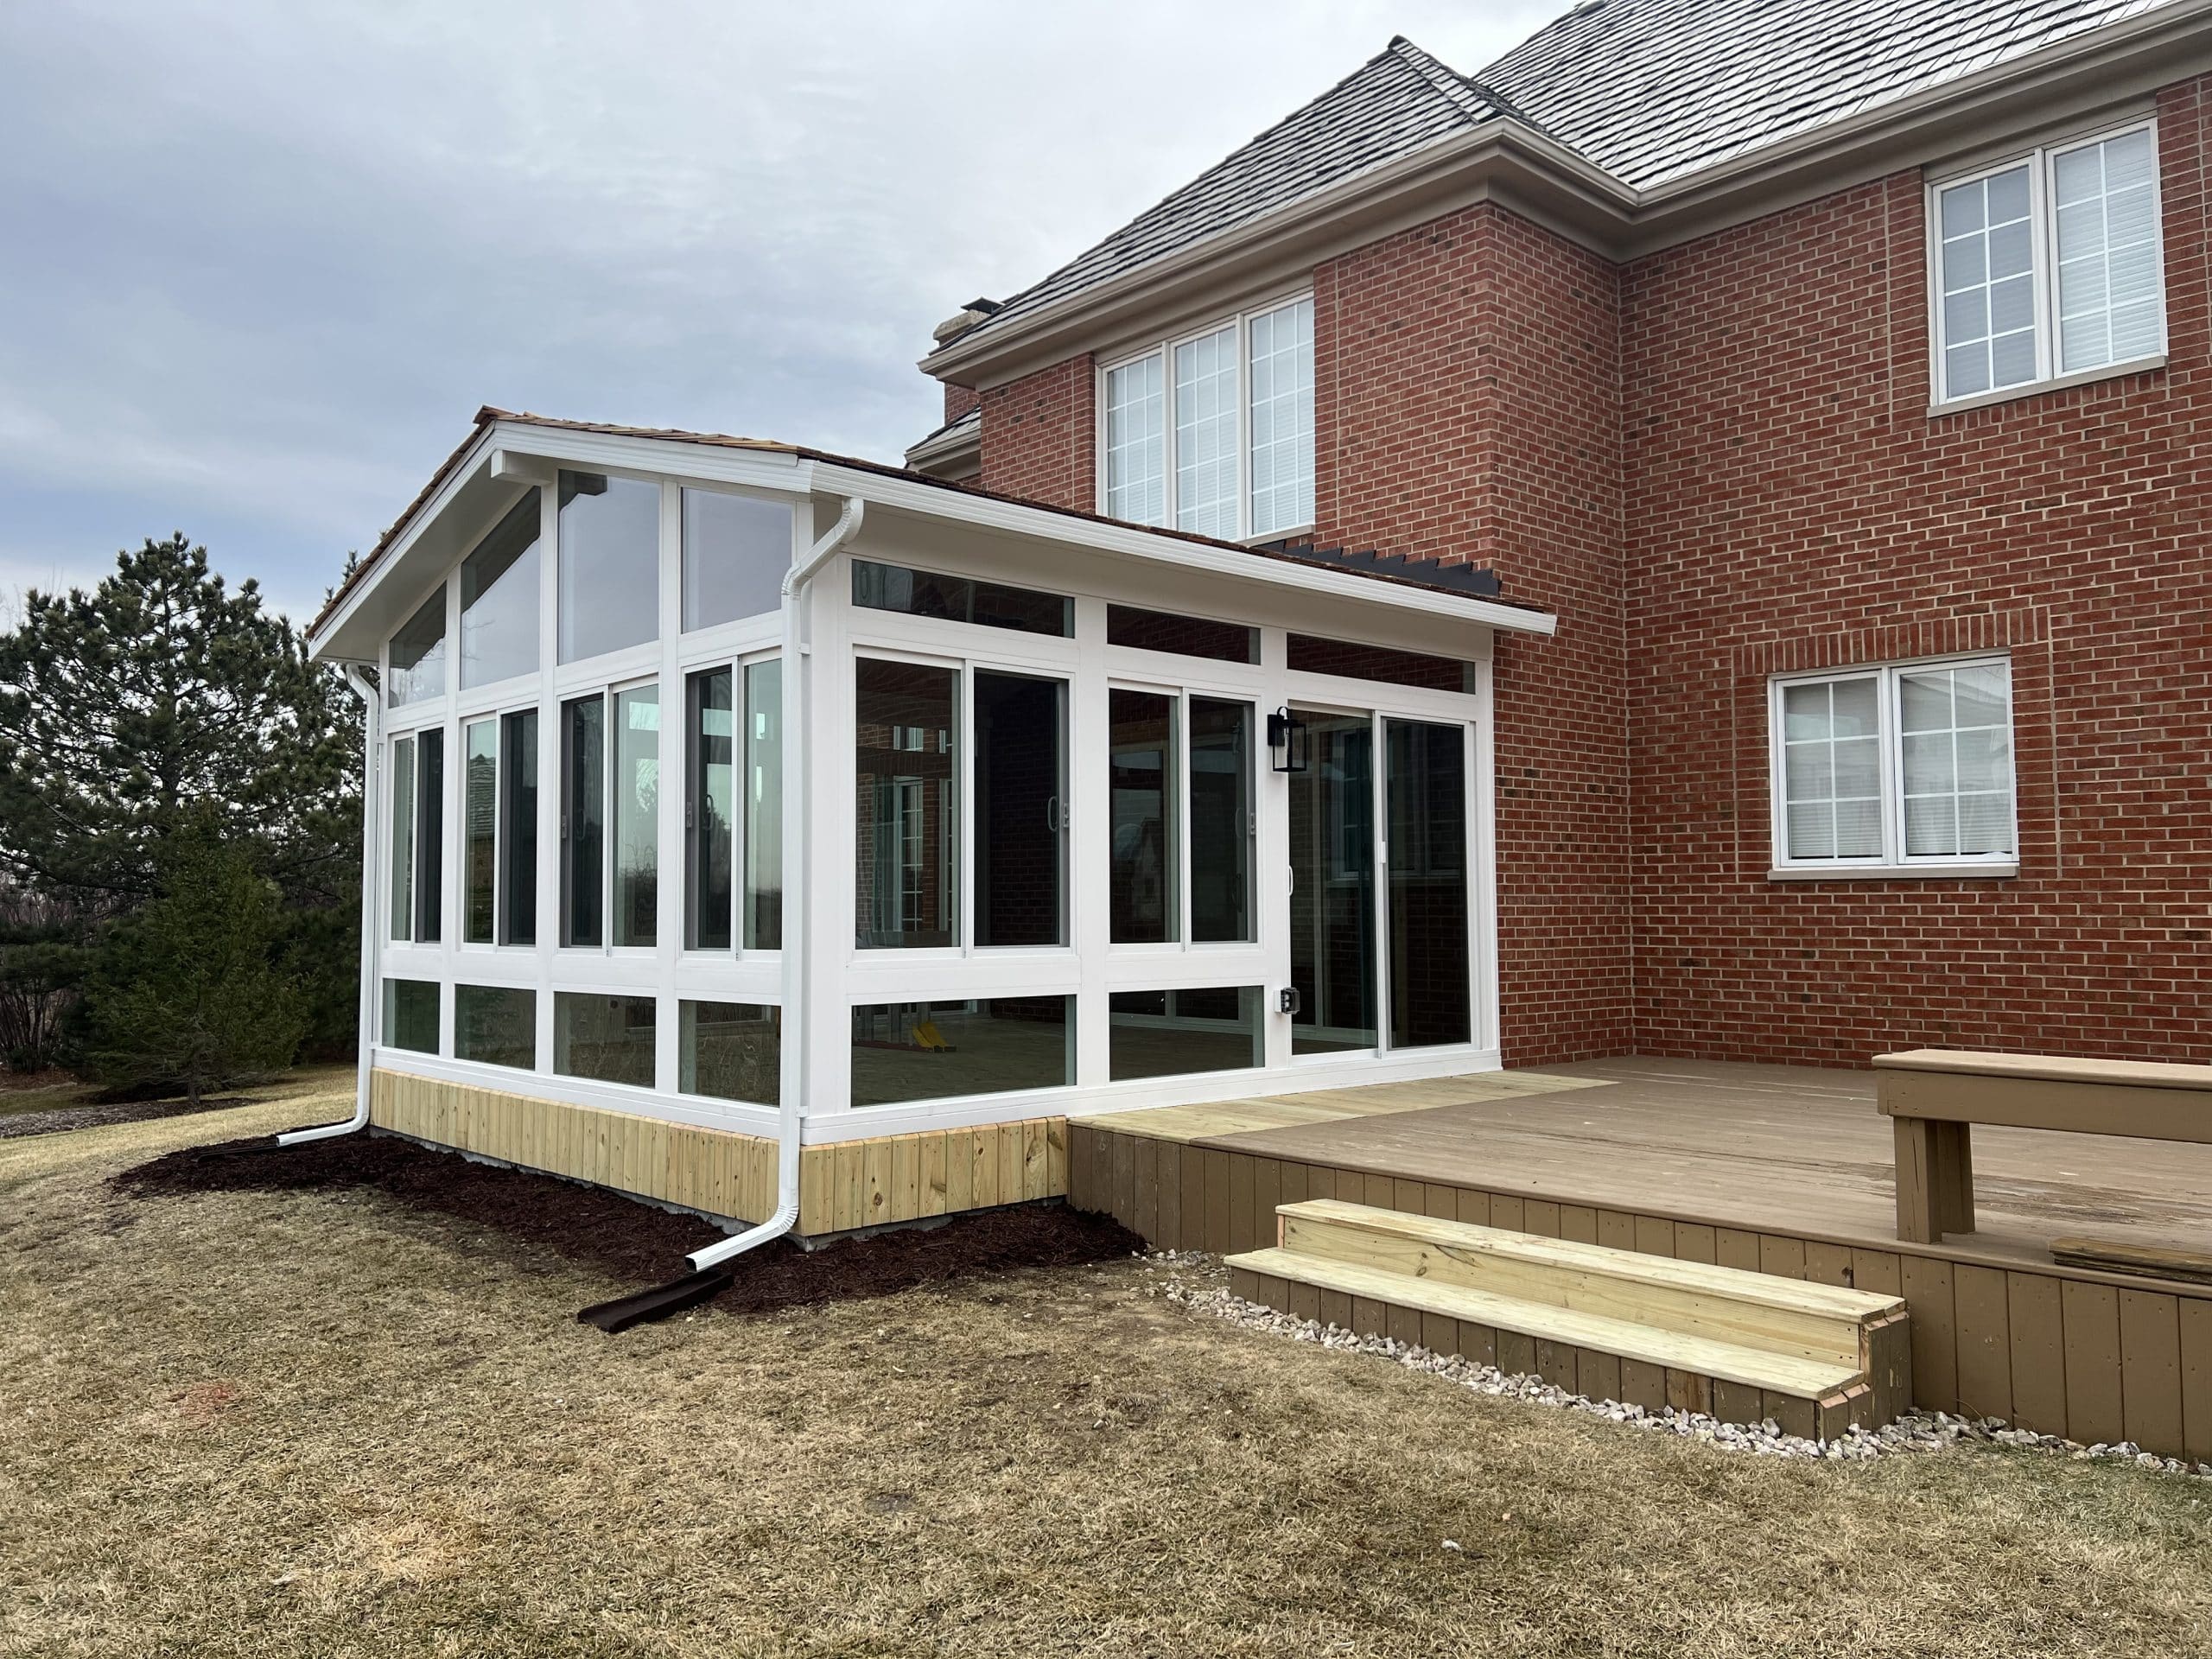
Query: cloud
[(264, 261)]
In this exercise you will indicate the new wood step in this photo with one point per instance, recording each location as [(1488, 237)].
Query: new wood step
[(1601, 1322)]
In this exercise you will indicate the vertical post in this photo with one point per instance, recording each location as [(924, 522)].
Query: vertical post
[(1934, 1169)]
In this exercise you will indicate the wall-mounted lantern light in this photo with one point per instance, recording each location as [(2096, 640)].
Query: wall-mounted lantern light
[(1286, 740)]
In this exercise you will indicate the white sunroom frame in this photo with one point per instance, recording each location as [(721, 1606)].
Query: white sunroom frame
[(925, 527)]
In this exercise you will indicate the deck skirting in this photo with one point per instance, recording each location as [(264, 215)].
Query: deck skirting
[(842, 1185)]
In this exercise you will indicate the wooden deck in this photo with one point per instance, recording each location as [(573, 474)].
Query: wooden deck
[(1779, 1169)]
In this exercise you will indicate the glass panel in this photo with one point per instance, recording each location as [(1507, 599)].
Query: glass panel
[(410, 1015), (907, 804), (1957, 761), (710, 811), (1988, 262), (1221, 820), (429, 834), (736, 549), (402, 838), (2110, 300), (1282, 418), (583, 818), (418, 654), (1173, 1033), (931, 1051), (1426, 847), (636, 809), (499, 599), (732, 1051), (518, 828), (956, 599), (1332, 887), (1145, 909), (607, 1039), (1184, 636), (1136, 442), (1313, 655), (610, 564), (1831, 769), (495, 1025), (1205, 435), (479, 822), (1020, 820), (763, 805)]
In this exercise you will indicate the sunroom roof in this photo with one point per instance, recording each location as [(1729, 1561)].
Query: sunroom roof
[(488, 417)]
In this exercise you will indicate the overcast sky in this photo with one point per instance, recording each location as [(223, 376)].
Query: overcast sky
[(261, 260)]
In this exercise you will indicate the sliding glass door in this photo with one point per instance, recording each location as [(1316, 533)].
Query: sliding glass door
[(1379, 902)]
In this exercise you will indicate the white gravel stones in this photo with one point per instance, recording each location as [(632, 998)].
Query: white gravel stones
[(1195, 1281)]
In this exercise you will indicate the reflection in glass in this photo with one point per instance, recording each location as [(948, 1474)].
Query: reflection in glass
[(709, 809), (929, 1051), (763, 805), (1146, 908), (410, 1015), (429, 834), (479, 830), (1310, 654), (583, 817), (1426, 791), (1173, 1033), (402, 838), (907, 783), (418, 654), (731, 1051), (957, 599), (636, 810), (609, 564), (735, 551), (1184, 636), (495, 1025), (518, 828), (1332, 887), (606, 1039), (1221, 820), (499, 599), (1021, 827)]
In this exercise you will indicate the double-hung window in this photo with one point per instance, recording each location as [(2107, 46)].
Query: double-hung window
[(2048, 267), (1213, 433), (1896, 767)]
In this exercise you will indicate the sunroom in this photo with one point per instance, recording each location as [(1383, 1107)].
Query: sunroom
[(1055, 814)]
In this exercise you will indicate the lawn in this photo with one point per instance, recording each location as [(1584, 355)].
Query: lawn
[(321, 1422)]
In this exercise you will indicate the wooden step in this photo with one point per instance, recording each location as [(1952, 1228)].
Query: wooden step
[(1601, 1322)]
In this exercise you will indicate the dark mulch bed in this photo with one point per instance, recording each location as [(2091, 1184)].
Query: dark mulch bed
[(537, 1215)]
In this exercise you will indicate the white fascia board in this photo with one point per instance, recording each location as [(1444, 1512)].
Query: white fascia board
[(475, 459), (1041, 523)]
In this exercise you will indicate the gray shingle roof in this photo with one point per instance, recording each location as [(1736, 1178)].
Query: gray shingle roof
[(1651, 90), (1647, 90)]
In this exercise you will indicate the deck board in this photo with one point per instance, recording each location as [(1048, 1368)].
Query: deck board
[(1793, 1148)]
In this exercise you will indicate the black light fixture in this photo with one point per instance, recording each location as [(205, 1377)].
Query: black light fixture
[(1286, 740)]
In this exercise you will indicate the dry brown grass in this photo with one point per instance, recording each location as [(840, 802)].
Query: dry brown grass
[(257, 1424)]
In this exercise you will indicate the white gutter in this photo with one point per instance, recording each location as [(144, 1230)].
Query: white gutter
[(373, 726), (790, 1106)]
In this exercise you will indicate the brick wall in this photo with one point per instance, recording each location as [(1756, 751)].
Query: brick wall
[(1038, 437), (958, 400), (1792, 504)]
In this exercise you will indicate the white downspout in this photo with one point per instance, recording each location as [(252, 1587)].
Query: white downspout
[(371, 734), (798, 930)]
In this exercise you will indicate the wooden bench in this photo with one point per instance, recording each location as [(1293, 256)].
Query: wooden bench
[(1933, 1095)]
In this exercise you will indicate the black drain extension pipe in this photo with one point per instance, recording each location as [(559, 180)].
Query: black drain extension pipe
[(660, 1302)]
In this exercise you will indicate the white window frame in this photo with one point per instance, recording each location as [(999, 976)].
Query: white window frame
[(1893, 860), (2042, 162), (1165, 349), (1181, 692)]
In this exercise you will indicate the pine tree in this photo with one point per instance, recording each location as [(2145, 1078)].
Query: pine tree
[(192, 994)]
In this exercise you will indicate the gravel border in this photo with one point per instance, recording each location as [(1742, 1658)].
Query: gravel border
[(1194, 1284)]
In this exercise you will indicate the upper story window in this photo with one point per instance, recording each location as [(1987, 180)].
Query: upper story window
[(418, 654), (2049, 266), (609, 564), (499, 599), (1214, 433), (1895, 767)]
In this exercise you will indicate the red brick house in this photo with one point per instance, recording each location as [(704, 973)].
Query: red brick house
[(1836, 373)]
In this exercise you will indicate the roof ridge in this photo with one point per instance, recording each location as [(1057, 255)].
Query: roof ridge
[(1466, 96)]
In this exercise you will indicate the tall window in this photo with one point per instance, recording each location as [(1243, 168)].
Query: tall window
[(1214, 433), (583, 817), (635, 812), (1180, 801), (417, 834), (2049, 265), (763, 805), (908, 796), (479, 832), (736, 549), (1221, 820), (518, 827), (709, 809), (1144, 729), (499, 599), (418, 654), (1901, 766), (609, 564)]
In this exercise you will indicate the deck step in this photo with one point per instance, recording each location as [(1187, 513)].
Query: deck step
[(1643, 1328)]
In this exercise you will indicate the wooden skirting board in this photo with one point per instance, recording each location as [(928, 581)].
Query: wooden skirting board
[(2059, 1350), (842, 1185)]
